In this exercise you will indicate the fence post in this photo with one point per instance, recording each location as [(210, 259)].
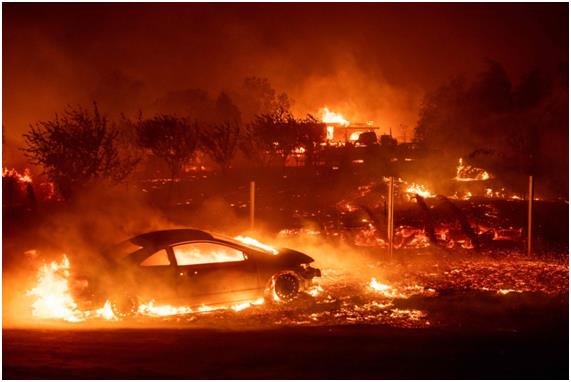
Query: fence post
[(390, 215), (530, 217), (252, 203)]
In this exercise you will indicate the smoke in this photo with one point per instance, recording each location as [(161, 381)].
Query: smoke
[(369, 62)]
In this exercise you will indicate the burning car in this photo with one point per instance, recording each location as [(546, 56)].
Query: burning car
[(192, 267)]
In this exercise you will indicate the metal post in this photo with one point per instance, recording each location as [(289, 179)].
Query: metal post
[(390, 215), (252, 203), (530, 217)]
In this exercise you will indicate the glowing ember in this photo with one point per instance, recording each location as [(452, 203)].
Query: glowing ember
[(467, 173), (419, 189), (384, 289), (246, 305), (150, 309), (255, 243), (328, 116), (315, 290)]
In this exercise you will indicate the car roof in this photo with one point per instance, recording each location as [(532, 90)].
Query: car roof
[(164, 237)]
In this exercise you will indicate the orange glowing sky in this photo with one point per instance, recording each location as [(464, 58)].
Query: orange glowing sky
[(366, 61)]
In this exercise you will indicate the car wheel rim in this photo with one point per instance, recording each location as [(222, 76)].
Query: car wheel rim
[(286, 287)]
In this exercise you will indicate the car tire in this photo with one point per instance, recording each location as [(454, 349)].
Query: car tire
[(285, 287), (124, 306)]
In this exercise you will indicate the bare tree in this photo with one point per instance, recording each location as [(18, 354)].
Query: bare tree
[(220, 142), (310, 134), (271, 136), (76, 148), (169, 138)]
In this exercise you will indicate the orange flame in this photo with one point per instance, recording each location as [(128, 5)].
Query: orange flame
[(24, 178), (328, 116), (255, 243), (419, 189), (467, 173), (53, 297), (53, 300)]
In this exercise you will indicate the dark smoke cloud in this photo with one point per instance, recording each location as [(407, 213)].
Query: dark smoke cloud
[(368, 61)]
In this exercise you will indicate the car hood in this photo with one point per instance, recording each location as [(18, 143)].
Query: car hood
[(292, 257)]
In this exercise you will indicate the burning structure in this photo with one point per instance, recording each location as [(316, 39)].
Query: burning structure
[(341, 131)]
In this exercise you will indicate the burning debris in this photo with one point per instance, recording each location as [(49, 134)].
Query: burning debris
[(467, 173), (419, 189)]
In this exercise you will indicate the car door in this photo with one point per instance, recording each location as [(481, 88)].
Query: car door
[(211, 272), (156, 277)]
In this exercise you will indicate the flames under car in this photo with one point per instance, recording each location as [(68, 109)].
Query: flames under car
[(192, 267)]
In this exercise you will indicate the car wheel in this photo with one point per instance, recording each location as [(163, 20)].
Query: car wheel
[(124, 306), (285, 287)]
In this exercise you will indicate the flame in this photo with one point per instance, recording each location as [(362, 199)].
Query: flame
[(106, 312), (24, 178), (419, 189), (467, 173), (245, 305), (53, 297), (384, 289), (150, 309), (255, 243), (330, 131), (55, 301), (193, 255), (354, 136), (328, 116)]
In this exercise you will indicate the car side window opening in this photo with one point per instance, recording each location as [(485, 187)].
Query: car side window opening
[(206, 253), (157, 259)]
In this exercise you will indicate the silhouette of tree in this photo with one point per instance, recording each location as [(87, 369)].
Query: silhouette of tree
[(310, 134), (169, 138), (271, 136), (220, 142), (226, 110), (76, 148), (257, 97), (507, 129)]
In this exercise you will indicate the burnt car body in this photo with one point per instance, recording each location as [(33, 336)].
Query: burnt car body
[(192, 267)]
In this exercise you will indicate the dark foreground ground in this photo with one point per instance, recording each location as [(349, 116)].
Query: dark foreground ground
[(324, 352)]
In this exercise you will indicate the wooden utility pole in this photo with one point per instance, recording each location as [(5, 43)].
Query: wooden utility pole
[(252, 203), (390, 214), (530, 217)]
